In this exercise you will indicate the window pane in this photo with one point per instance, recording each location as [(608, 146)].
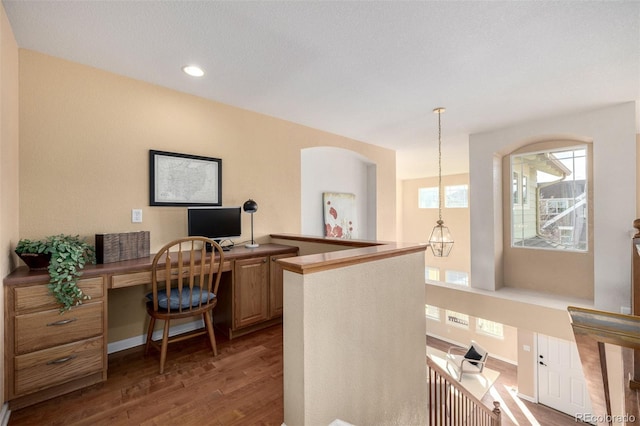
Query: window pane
[(456, 196), (457, 277), (432, 312), (549, 199), (457, 319), (428, 198), (492, 328), (431, 273)]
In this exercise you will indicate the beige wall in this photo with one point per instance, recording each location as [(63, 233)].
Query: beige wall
[(84, 141), (354, 345), (8, 160), (527, 360), (418, 223)]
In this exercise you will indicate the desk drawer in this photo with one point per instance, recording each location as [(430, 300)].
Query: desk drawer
[(58, 365), (128, 280), (144, 277), (38, 296), (45, 329)]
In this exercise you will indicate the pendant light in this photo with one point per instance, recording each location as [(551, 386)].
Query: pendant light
[(440, 240)]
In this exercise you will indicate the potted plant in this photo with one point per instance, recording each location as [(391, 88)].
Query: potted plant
[(67, 256)]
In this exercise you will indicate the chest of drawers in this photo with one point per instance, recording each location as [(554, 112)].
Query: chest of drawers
[(48, 353)]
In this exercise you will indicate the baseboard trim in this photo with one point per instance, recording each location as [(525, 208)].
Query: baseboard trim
[(453, 342), (527, 397), (132, 342), (5, 413)]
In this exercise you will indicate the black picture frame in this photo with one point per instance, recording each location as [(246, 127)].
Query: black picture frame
[(184, 180)]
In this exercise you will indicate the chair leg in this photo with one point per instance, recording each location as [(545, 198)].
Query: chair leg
[(152, 323), (165, 343), (212, 337)]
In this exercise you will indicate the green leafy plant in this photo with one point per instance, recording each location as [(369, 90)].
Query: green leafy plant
[(69, 255)]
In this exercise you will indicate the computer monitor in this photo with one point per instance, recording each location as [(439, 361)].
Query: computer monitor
[(217, 223)]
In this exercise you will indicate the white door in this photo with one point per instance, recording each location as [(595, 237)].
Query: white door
[(561, 383)]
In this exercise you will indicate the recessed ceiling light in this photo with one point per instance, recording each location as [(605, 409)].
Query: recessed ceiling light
[(193, 71)]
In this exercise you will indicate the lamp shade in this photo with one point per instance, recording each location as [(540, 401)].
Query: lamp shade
[(250, 206), (441, 241)]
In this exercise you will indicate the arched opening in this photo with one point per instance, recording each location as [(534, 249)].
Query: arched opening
[(329, 169)]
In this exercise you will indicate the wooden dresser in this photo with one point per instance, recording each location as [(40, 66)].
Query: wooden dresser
[(48, 353)]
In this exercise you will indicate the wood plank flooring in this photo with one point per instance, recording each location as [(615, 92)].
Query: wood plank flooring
[(241, 386)]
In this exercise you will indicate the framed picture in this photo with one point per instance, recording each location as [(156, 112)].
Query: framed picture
[(339, 215), (184, 180)]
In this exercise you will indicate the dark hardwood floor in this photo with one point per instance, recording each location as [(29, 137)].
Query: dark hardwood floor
[(241, 386)]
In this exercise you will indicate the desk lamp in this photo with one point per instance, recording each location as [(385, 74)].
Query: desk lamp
[(251, 207)]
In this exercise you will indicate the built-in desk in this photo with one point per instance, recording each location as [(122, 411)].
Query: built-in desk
[(48, 353)]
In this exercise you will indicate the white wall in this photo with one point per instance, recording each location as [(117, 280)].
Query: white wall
[(328, 169), (613, 133)]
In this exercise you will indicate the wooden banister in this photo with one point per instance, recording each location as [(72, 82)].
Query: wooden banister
[(593, 330), (635, 293), (452, 405)]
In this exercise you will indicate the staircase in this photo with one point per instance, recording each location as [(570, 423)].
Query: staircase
[(450, 404)]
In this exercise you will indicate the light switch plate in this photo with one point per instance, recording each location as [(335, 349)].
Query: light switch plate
[(136, 216)]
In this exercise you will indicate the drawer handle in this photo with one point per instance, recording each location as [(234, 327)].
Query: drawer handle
[(62, 322), (61, 360)]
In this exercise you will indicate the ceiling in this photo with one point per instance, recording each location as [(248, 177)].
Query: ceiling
[(369, 70)]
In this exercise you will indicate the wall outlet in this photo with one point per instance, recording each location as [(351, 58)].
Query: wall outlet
[(526, 348), (626, 310), (136, 216)]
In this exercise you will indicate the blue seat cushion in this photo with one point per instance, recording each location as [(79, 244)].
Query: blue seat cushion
[(174, 302)]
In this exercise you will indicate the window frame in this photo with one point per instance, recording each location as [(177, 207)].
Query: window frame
[(522, 202)]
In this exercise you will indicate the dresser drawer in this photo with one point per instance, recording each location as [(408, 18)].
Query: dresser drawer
[(50, 367), (38, 296), (45, 329)]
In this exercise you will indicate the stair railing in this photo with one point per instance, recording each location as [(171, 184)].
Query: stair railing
[(450, 404)]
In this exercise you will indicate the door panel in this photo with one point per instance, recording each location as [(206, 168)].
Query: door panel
[(561, 383), (251, 295)]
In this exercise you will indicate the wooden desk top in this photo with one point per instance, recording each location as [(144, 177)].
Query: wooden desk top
[(23, 276)]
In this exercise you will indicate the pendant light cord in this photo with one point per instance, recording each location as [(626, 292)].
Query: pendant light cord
[(439, 170)]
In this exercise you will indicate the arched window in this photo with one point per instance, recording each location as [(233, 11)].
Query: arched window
[(547, 218)]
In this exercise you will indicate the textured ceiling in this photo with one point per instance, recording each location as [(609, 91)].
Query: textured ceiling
[(372, 71)]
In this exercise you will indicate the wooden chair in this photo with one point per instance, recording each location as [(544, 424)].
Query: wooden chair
[(470, 360), (182, 270)]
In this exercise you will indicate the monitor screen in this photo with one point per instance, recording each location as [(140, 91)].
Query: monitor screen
[(216, 223)]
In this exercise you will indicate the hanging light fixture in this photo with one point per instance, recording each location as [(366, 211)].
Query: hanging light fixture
[(440, 240)]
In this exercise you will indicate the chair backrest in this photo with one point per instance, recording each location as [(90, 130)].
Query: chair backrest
[(184, 270)]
